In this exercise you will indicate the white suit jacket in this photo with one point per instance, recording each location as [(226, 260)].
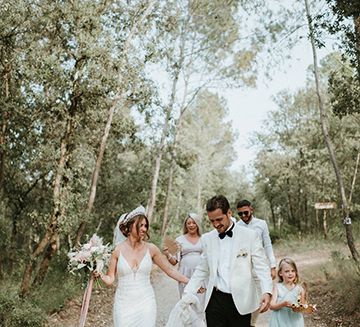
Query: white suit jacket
[(247, 259)]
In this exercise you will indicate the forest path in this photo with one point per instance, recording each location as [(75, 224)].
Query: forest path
[(100, 311)]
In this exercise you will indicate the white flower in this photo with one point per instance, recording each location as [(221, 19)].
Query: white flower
[(99, 265), (91, 255)]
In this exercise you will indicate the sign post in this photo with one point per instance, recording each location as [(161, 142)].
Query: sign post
[(324, 206)]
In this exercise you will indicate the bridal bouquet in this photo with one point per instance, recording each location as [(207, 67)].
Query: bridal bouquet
[(93, 255)]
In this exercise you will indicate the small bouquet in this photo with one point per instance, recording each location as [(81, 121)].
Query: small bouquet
[(303, 307), (93, 256)]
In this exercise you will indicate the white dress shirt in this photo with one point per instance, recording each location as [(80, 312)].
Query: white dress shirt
[(261, 227), (223, 270)]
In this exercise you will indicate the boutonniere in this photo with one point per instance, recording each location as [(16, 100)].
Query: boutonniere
[(242, 253)]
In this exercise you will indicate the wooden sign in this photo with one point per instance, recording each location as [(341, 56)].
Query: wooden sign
[(325, 205)]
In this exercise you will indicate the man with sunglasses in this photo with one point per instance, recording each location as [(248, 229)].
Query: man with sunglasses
[(245, 212)]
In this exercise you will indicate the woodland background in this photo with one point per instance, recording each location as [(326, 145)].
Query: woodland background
[(87, 133)]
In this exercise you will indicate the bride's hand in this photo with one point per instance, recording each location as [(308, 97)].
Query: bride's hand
[(96, 274)]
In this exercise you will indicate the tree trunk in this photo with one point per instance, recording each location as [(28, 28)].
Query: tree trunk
[(167, 198), (160, 152), (198, 199), (57, 209), (118, 100), (21, 202), (325, 224), (3, 128), (273, 218), (2, 151), (305, 213), (354, 177), (173, 160), (165, 129), (44, 266), (344, 203), (356, 19), (5, 117), (289, 203), (96, 172)]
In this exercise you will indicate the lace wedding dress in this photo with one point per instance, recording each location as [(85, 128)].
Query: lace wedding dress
[(134, 304)]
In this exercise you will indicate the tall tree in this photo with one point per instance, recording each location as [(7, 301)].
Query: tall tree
[(210, 49), (118, 101), (344, 200)]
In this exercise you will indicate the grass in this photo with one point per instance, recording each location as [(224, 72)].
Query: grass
[(332, 276), (44, 300)]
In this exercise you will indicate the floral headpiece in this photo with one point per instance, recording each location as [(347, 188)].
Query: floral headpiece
[(136, 212)]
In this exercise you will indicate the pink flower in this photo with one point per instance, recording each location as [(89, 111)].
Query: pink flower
[(91, 255)]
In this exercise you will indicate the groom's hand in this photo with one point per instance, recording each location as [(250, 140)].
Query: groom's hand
[(265, 302), (201, 290)]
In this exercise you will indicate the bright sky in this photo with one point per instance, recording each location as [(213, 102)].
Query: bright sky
[(249, 107)]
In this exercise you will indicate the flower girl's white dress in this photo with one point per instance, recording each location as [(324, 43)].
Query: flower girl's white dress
[(134, 304)]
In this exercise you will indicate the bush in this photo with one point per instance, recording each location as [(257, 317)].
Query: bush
[(16, 312), (345, 280), (57, 275)]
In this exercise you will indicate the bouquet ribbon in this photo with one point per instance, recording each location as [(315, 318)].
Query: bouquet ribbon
[(86, 301)]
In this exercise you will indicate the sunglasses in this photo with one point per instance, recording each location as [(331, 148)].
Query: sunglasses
[(243, 213)]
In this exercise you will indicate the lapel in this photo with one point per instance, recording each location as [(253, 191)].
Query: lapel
[(215, 253), (235, 246)]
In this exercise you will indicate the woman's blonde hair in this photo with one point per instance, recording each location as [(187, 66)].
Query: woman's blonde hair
[(196, 219), (290, 262)]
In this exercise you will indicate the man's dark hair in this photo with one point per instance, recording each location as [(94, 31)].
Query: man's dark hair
[(218, 202), (243, 203)]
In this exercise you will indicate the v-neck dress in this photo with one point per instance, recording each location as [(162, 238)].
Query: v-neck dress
[(134, 304), (189, 258)]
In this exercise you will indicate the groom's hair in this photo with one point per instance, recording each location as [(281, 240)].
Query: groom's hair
[(218, 202)]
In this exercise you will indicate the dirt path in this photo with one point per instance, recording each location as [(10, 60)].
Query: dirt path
[(100, 311)]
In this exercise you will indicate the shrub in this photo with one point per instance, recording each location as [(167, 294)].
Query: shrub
[(346, 281), (16, 312)]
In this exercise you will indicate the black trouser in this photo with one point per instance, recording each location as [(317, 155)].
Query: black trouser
[(221, 312)]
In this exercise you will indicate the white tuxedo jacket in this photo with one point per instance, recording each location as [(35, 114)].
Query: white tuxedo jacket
[(247, 259)]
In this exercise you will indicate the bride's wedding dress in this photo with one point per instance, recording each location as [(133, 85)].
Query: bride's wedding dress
[(134, 304)]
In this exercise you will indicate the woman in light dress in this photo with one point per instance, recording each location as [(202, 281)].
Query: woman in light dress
[(189, 257), (131, 262)]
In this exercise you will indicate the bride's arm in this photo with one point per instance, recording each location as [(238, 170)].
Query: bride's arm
[(160, 260), (109, 277)]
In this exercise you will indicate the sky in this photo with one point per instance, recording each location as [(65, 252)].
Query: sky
[(248, 108)]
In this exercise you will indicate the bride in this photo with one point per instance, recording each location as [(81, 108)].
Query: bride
[(131, 263)]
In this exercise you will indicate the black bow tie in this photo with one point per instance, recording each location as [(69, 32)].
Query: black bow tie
[(228, 233)]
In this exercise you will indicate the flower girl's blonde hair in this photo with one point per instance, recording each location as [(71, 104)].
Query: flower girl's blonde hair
[(290, 262)]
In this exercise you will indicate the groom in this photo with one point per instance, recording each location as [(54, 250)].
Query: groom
[(232, 254)]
